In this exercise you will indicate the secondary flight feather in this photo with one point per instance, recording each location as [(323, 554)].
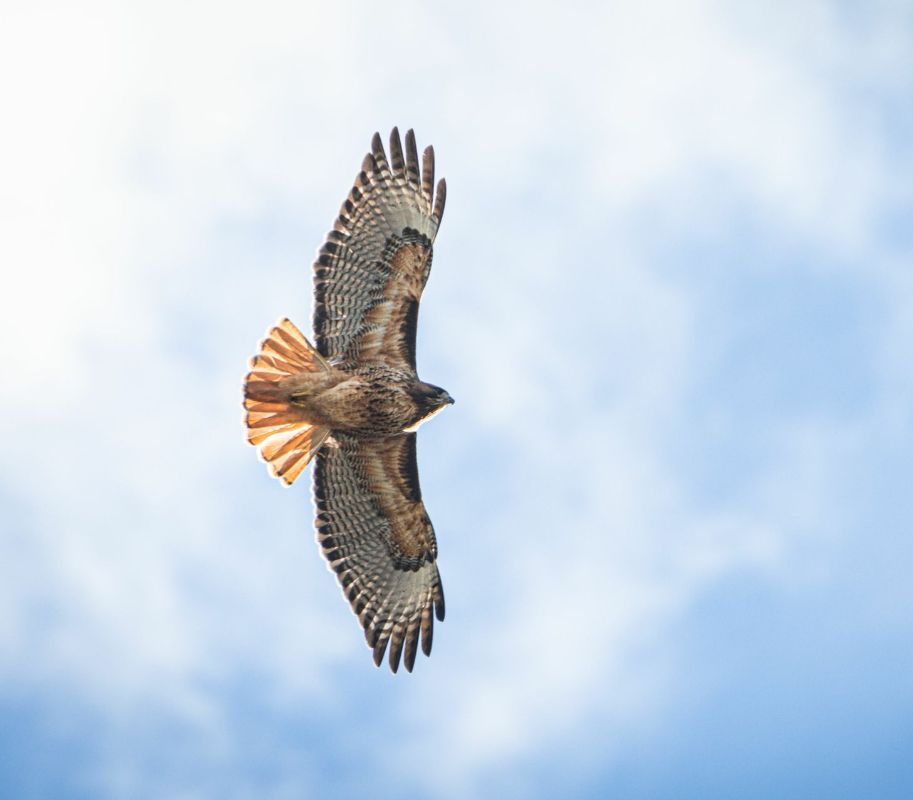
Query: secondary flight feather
[(354, 400)]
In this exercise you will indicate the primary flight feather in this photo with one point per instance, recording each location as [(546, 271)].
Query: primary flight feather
[(355, 400)]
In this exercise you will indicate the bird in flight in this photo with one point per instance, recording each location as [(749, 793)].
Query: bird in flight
[(354, 400)]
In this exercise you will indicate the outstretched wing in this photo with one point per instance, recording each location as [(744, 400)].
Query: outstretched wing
[(370, 272), (374, 531)]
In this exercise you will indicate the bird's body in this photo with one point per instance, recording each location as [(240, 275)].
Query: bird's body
[(371, 401), (355, 400)]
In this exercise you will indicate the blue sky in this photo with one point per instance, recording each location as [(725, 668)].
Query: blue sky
[(672, 296)]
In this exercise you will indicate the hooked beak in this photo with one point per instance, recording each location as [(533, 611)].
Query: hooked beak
[(446, 399)]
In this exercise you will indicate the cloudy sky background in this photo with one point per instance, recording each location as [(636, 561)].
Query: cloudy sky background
[(673, 297)]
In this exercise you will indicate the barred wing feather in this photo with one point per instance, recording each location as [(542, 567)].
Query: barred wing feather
[(370, 272), (376, 535)]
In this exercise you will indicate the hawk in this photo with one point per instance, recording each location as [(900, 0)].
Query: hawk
[(355, 400)]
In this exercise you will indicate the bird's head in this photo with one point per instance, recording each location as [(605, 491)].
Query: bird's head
[(429, 400)]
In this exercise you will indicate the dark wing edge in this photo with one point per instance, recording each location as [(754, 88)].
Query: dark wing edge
[(372, 268), (376, 536)]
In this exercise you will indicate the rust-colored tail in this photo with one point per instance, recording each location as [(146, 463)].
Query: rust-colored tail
[(286, 441)]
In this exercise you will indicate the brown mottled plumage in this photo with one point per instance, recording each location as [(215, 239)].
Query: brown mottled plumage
[(355, 400)]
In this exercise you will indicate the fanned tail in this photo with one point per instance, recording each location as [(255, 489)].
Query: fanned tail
[(286, 440)]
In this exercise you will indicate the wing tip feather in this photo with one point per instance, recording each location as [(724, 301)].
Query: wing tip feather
[(413, 173), (379, 653), (427, 631), (440, 200), (396, 647), (438, 598), (396, 152)]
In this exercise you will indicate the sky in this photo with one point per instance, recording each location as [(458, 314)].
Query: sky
[(672, 295)]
